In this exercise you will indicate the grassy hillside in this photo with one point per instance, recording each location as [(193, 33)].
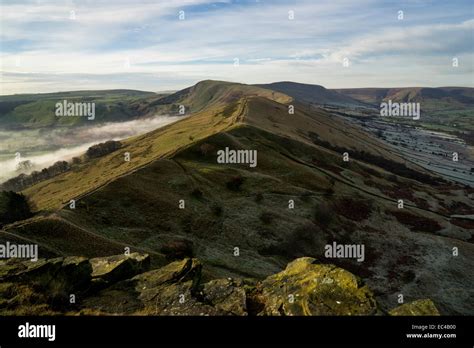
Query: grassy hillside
[(210, 94), (38, 110), (304, 125), (349, 203), (433, 98), (313, 94), (54, 193), (228, 206)]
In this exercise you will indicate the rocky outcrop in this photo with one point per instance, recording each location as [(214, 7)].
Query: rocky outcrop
[(419, 307), (59, 276), (107, 270), (42, 287), (226, 295), (308, 288), (170, 290), (123, 284)]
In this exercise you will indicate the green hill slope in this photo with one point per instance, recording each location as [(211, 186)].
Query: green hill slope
[(300, 197), (210, 94), (430, 98), (38, 110), (313, 94)]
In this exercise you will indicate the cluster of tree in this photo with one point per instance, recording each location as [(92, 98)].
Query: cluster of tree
[(13, 207), (22, 181), (103, 149)]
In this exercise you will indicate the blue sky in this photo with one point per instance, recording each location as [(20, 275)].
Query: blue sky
[(69, 45)]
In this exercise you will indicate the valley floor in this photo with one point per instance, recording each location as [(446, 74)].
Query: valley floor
[(431, 150)]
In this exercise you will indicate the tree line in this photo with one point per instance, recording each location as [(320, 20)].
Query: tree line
[(23, 180)]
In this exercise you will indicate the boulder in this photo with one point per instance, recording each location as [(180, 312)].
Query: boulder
[(308, 288), (305, 287), (417, 308), (226, 295), (10, 268), (36, 288), (169, 290), (58, 275), (112, 269)]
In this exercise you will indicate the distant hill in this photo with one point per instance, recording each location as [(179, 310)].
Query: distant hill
[(429, 98), (210, 93), (38, 110), (91, 94), (313, 94), (446, 109)]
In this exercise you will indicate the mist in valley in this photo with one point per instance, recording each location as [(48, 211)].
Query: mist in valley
[(44, 147)]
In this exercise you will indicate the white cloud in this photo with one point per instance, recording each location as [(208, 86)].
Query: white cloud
[(95, 47)]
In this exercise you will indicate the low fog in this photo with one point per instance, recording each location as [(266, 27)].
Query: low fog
[(45, 147)]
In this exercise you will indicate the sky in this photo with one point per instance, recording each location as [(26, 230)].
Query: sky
[(163, 45)]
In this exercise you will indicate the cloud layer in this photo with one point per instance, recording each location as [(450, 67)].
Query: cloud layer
[(162, 45)]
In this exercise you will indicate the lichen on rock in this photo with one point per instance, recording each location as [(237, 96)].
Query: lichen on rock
[(308, 288), (123, 285), (118, 267), (418, 308)]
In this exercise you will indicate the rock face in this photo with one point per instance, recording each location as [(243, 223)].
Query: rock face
[(123, 285), (118, 267), (419, 307), (38, 287), (308, 288), (169, 290), (226, 295)]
